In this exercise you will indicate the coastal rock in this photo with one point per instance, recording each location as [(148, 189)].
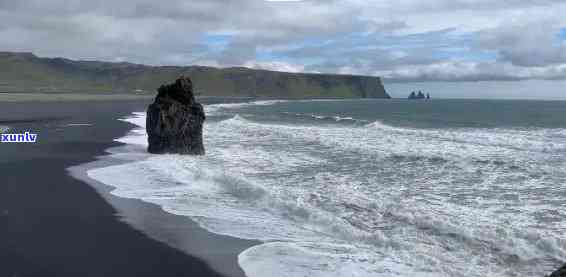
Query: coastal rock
[(419, 95), (561, 272), (174, 120)]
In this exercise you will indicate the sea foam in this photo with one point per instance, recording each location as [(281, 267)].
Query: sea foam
[(369, 200)]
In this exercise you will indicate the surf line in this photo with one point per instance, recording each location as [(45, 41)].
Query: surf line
[(26, 137)]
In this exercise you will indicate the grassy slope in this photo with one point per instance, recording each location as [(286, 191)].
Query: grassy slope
[(26, 72)]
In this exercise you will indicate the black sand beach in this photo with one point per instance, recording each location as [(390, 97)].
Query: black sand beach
[(52, 224)]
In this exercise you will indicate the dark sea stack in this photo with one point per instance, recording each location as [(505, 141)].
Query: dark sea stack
[(561, 272), (418, 96), (174, 120)]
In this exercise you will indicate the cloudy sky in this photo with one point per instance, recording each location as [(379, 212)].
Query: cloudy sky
[(404, 41)]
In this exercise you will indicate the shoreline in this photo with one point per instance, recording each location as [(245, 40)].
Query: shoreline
[(166, 227), (52, 224), (20, 97)]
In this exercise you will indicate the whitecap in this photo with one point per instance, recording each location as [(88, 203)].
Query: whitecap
[(376, 215)]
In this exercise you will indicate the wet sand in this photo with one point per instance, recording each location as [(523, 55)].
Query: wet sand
[(52, 223)]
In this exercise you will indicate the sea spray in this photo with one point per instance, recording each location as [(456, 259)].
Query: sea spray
[(365, 200)]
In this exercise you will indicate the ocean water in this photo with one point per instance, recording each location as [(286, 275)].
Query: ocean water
[(369, 187)]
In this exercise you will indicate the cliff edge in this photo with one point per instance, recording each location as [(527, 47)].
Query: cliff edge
[(25, 72)]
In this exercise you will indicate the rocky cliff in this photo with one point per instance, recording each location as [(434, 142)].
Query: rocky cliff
[(174, 121), (25, 72)]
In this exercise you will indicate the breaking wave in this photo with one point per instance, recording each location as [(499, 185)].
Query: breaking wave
[(364, 200), (223, 108)]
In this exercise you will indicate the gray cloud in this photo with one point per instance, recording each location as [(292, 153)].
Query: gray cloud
[(526, 45), (470, 71), (404, 40)]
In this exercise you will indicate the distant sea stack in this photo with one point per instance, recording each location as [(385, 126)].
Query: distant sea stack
[(418, 96), (174, 120)]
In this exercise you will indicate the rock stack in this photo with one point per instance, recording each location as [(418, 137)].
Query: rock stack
[(174, 120), (561, 272), (419, 95)]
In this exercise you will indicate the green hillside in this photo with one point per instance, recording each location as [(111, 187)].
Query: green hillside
[(25, 72)]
